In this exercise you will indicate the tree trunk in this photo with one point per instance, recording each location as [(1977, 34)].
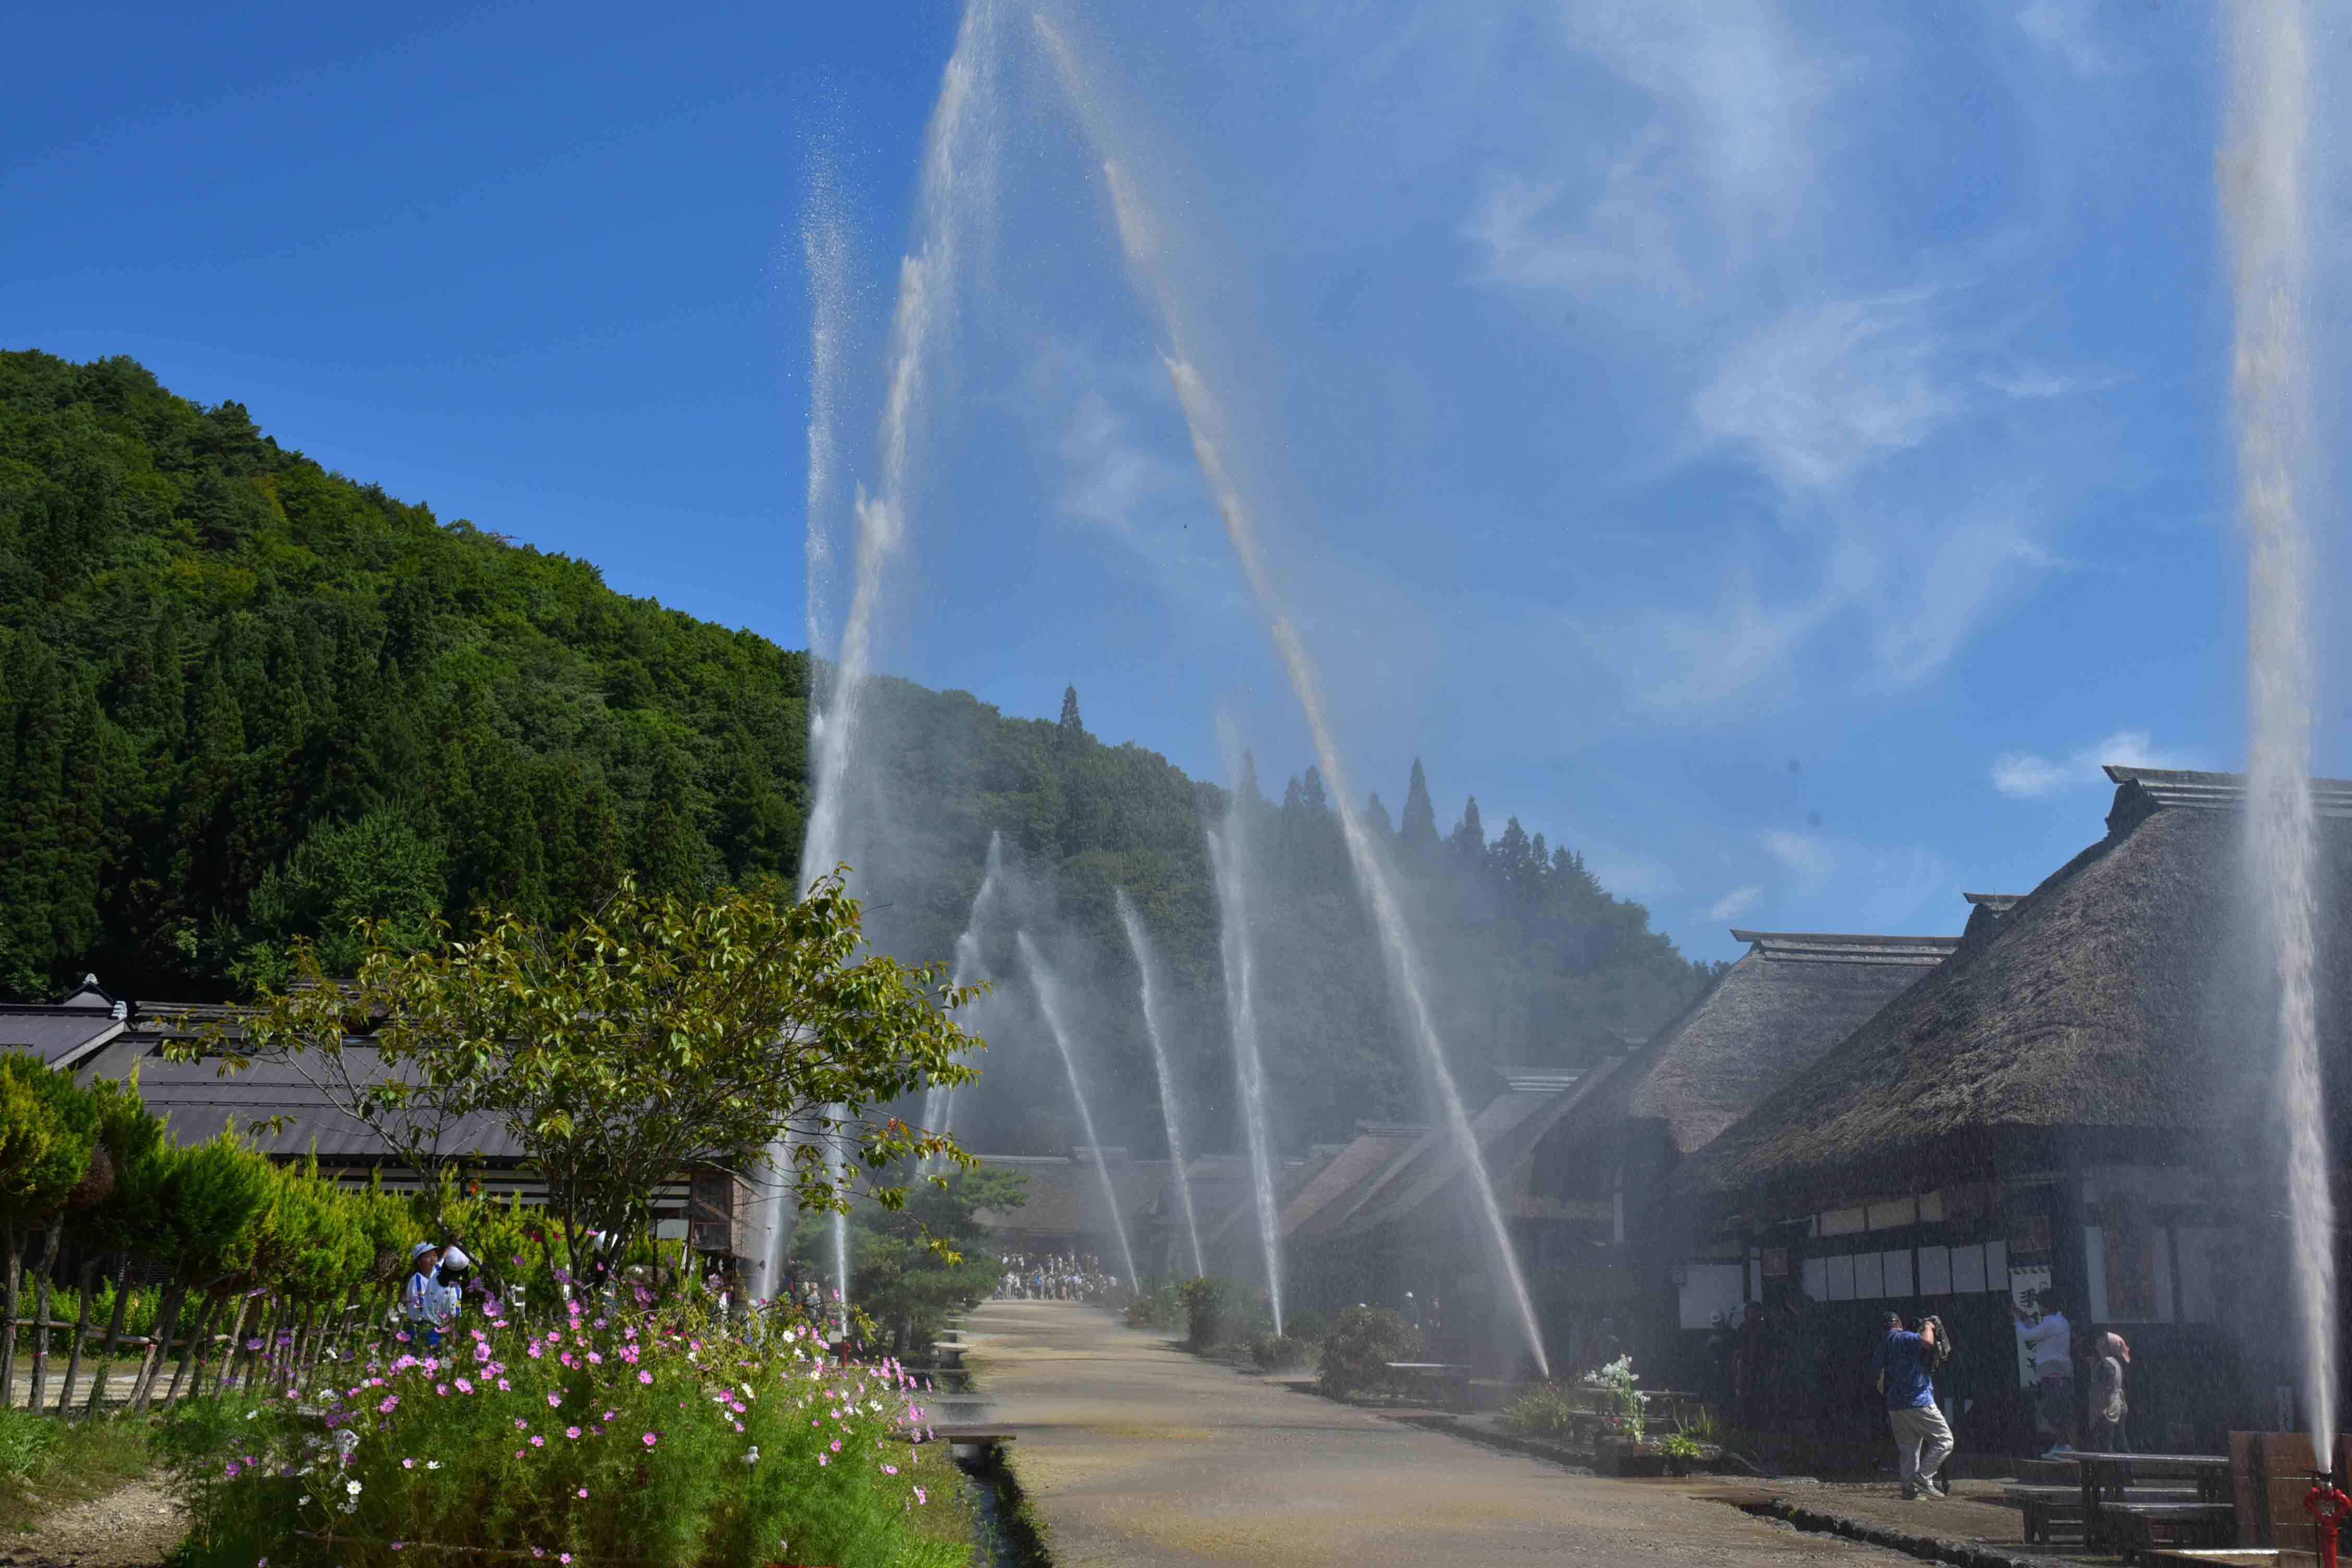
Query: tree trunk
[(89, 1286), (168, 1312), (190, 1353), (240, 1306), (51, 1235), (113, 1334)]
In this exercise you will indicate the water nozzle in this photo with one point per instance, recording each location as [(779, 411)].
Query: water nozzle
[(2328, 1508)]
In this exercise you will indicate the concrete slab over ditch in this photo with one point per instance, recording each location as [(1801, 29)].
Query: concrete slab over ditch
[(1134, 1453)]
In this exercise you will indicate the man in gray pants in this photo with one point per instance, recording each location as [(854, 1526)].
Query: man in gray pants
[(1922, 1439)]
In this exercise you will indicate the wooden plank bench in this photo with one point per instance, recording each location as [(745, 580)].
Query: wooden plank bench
[(2049, 1509), (2139, 1529), (2046, 1507)]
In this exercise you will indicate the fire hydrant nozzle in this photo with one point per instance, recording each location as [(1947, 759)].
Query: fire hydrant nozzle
[(2328, 1508)]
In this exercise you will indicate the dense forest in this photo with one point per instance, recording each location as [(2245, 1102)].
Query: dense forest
[(242, 698)]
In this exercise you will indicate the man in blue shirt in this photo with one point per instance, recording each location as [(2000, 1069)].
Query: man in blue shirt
[(1922, 1439)]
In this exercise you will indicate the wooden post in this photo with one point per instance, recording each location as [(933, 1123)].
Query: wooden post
[(113, 1335), (191, 1353), (89, 1286), (168, 1312), (52, 1232)]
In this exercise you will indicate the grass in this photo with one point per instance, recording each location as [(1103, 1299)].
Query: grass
[(46, 1464)]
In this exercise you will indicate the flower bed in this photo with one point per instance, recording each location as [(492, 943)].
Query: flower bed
[(650, 1436)]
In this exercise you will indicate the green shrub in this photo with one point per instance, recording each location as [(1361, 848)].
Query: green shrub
[(1204, 1310), (1679, 1447), (659, 1436), (1162, 1308), (1310, 1325), (1274, 1352), (1543, 1411), (1363, 1341), (28, 1444)]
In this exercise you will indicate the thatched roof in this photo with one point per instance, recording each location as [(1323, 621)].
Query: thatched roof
[(1066, 1198), (2081, 1020), (1791, 997)]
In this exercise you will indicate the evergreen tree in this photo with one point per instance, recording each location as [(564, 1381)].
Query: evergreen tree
[(1072, 729), (1417, 829), (1469, 836), (1376, 816)]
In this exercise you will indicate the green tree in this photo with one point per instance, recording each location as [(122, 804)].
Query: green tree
[(655, 1038), (49, 1130), (1417, 828)]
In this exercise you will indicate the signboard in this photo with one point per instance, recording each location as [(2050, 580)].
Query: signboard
[(2021, 1280)]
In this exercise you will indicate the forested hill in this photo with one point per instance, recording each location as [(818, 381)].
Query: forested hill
[(242, 699)]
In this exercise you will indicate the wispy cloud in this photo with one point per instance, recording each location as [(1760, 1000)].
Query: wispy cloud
[(1808, 858), (2066, 31), (1733, 904), (2027, 775), (1911, 469)]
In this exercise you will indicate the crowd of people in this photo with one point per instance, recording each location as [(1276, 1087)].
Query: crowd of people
[(1057, 1277)]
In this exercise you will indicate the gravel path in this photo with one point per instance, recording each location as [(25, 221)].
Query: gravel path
[(1138, 1455), (131, 1526)]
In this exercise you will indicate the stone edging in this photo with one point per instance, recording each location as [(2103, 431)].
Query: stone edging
[(1962, 1554)]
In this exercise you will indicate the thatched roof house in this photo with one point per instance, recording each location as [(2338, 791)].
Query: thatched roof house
[(2110, 1013)]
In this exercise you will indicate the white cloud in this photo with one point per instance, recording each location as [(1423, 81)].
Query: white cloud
[(2063, 29), (1807, 856), (1648, 215), (2024, 775), (1733, 904)]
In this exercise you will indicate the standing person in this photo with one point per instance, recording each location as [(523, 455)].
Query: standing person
[(420, 1298), (1923, 1439), (2043, 1331), (1719, 1363), (2110, 1356)]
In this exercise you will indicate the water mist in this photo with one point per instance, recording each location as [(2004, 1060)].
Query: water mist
[(1147, 963), (939, 1098), (1142, 240), (2262, 202), (958, 149), (1049, 1006), (1227, 858)]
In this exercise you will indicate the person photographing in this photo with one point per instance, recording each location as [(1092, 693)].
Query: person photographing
[(1905, 1363)]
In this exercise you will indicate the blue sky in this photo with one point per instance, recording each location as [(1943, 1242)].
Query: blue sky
[(1777, 450)]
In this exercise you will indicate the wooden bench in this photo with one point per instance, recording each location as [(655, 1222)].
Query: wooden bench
[(2044, 1507), (2050, 1510), (2139, 1529)]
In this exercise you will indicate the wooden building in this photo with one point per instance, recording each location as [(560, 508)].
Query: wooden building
[(2079, 1099)]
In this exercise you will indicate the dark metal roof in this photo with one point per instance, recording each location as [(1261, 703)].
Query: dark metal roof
[(59, 1036)]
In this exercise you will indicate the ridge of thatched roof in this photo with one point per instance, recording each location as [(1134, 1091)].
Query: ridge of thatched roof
[(2081, 1020), (1768, 1018)]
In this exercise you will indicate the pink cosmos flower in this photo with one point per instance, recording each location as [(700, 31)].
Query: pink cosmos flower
[(390, 1402), (823, 1459), (571, 1431), (408, 1464), (441, 1390), (505, 1387), (534, 1352), (554, 1400), (521, 1425), (583, 1491), (889, 1469), (537, 1441), (594, 1359), (645, 1377), (464, 1386), (651, 1439)]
